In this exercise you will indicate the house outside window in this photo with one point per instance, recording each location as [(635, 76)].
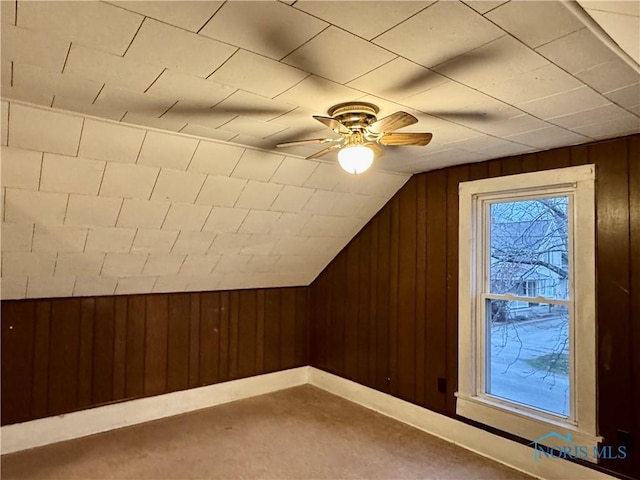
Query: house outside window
[(527, 304)]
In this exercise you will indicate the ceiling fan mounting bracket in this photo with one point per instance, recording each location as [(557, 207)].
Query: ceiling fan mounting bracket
[(355, 115)]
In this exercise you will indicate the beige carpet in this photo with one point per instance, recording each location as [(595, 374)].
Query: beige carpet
[(299, 433)]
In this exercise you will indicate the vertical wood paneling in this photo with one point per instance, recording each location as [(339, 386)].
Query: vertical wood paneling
[(136, 320), (18, 327), (209, 338), (455, 175), (383, 346), (529, 163), (194, 340), (260, 331), (178, 329), (406, 284), (509, 166), (63, 356), (436, 284), (288, 328), (554, 159), (272, 330), (156, 338), (373, 306), (351, 319), (120, 348), (364, 282), (612, 264), (412, 244), (103, 337), (223, 343), (317, 323), (85, 359), (579, 155), (420, 288), (247, 333), (337, 320), (634, 242), (40, 359), (234, 302), (393, 295), (301, 327)]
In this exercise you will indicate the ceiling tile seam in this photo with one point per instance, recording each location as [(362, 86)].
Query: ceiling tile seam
[(346, 84), (557, 38), (209, 19), (164, 69), (4, 203), (604, 97), (202, 230), (400, 23), (283, 156), (135, 34), (98, 94), (492, 8), (104, 170), (66, 208), (8, 122), (40, 172), (145, 128), (144, 137), (582, 15), (208, 77), (168, 109), (534, 49), (11, 74), (195, 200), (624, 14), (66, 58), (191, 160), (115, 224)]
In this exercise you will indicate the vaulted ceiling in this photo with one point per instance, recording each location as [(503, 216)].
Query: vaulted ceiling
[(139, 137)]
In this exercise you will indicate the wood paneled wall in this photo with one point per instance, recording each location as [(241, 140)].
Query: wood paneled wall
[(67, 354), (384, 312)]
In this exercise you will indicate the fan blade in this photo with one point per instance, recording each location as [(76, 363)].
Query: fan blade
[(305, 142), (392, 122), (323, 152), (333, 124), (419, 139)]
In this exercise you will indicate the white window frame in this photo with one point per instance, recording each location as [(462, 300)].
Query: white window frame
[(471, 402)]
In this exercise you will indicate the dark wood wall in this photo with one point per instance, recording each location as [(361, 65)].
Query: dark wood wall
[(384, 312), (68, 354)]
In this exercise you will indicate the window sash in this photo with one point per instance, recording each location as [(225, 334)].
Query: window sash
[(514, 418)]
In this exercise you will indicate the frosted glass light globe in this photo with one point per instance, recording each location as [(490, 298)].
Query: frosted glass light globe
[(356, 159)]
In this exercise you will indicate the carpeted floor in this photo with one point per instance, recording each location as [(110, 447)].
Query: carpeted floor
[(299, 433)]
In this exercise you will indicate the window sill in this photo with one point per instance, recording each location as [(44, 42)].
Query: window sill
[(527, 425)]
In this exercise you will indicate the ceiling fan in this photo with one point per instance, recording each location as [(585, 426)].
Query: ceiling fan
[(361, 134)]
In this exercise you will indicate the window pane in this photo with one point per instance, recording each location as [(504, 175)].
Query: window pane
[(529, 253), (528, 354)]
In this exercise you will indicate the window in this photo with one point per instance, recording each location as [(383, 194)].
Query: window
[(527, 338)]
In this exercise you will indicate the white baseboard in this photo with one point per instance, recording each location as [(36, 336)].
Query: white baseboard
[(499, 449), (21, 436)]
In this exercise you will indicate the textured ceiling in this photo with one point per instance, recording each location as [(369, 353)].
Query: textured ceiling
[(153, 184)]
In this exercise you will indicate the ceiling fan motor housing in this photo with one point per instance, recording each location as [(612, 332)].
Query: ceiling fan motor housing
[(355, 115)]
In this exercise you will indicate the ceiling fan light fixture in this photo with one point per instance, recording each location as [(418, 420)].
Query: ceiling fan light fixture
[(355, 159)]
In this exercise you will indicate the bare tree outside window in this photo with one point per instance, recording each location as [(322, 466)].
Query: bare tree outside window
[(527, 332)]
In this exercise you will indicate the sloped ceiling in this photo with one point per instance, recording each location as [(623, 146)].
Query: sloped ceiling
[(138, 137)]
